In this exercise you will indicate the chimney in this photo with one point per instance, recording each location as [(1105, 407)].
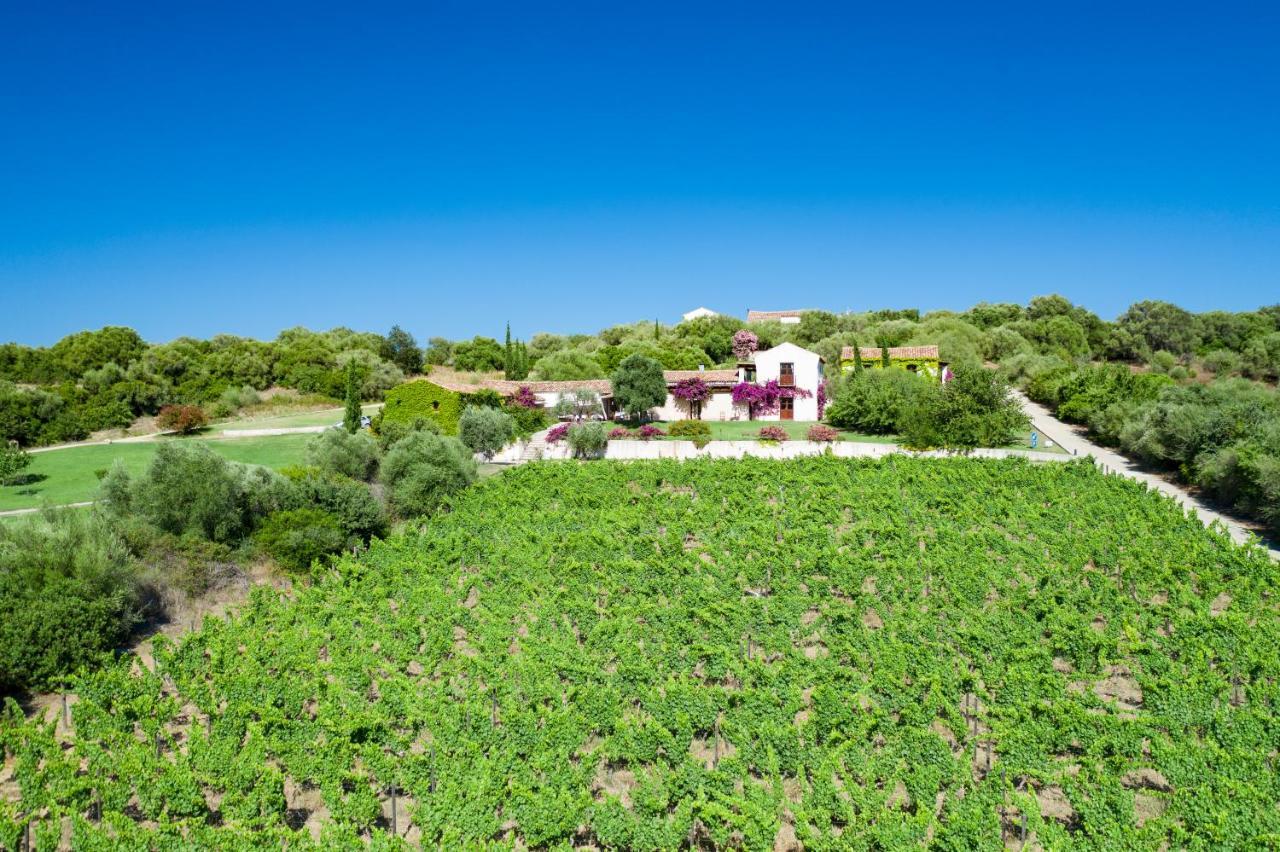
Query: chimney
[(702, 367)]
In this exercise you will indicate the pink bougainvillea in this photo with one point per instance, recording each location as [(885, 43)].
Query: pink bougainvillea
[(556, 433), (648, 431), (822, 398), (524, 397), (745, 343), (619, 433), (763, 399), (691, 390)]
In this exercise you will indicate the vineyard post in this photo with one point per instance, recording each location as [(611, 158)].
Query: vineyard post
[(431, 785), (394, 827), (66, 715), (715, 748)]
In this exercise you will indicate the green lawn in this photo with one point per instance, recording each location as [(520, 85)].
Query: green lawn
[(70, 478), (749, 430), (323, 417)]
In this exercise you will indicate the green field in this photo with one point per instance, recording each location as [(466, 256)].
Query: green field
[(324, 417), (70, 474), (747, 654)]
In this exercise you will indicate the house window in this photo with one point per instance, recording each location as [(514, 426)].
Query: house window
[(435, 405), (748, 374), (911, 368), (695, 409), (787, 374)]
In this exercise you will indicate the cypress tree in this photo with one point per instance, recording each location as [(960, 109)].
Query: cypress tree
[(857, 358), (657, 330), (351, 417), (884, 355), (508, 360)]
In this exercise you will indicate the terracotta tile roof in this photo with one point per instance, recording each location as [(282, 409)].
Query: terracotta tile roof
[(506, 387), (603, 386), (757, 316), (711, 377), (872, 353)]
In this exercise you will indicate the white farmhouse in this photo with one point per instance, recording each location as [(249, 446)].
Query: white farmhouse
[(795, 369), (718, 406), (798, 373), (699, 313)]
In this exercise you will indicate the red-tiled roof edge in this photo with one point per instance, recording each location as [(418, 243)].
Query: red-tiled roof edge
[(872, 352), (754, 314)]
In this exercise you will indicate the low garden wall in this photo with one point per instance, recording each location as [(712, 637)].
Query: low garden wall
[(631, 450)]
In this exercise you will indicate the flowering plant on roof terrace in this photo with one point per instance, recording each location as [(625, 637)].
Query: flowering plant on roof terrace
[(524, 397), (745, 343), (691, 390)]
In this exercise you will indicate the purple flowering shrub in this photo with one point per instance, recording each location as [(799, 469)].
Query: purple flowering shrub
[(524, 397), (556, 433), (822, 433), (763, 399), (691, 390), (745, 343), (773, 433)]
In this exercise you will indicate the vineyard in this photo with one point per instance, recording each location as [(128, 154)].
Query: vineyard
[(952, 653)]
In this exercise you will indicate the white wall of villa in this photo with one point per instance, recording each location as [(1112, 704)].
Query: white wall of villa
[(806, 370)]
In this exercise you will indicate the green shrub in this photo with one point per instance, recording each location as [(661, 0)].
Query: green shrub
[(68, 595), (422, 469), (351, 502), (423, 399), (694, 430), (974, 409), (389, 432), (343, 453), (296, 538), (527, 420), (13, 460), (638, 385), (485, 430), (1222, 362), (877, 402), (188, 488), (588, 440)]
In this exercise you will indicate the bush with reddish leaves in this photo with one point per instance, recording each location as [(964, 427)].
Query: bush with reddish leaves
[(773, 433), (648, 431), (619, 433), (823, 434), (556, 433), (183, 419)]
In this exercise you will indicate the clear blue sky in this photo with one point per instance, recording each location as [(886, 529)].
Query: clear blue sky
[(201, 168)]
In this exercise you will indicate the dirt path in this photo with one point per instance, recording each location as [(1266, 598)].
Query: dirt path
[(10, 513), (1074, 441)]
